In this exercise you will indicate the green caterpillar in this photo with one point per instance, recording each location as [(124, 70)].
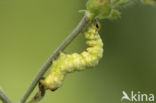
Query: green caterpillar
[(67, 63)]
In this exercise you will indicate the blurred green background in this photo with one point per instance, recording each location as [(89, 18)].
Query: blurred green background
[(30, 30)]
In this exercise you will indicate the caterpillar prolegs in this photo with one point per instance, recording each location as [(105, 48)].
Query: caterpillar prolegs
[(67, 63)]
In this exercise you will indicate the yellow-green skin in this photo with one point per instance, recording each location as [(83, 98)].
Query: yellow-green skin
[(67, 63)]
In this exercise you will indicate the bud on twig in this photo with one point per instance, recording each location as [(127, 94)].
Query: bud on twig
[(99, 8)]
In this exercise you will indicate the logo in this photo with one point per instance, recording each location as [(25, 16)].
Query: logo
[(137, 97)]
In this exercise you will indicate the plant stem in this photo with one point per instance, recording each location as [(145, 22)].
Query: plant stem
[(4, 97), (36, 98), (48, 63)]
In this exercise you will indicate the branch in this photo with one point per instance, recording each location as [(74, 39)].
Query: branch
[(4, 97), (39, 95), (48, 63)]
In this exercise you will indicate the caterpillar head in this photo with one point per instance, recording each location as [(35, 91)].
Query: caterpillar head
[(97, 24)]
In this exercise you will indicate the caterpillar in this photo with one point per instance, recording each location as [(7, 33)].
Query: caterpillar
[(67, 63)]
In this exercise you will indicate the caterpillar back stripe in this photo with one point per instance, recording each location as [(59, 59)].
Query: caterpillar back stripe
[(67, 63)]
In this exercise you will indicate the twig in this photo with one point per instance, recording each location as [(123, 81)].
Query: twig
[(4, 97), (48, 63), (39, 95)]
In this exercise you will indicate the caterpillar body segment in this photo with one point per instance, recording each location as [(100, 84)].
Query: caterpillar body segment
[(67, 63)]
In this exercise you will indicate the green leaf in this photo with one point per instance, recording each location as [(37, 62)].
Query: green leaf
[(114, 14)]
